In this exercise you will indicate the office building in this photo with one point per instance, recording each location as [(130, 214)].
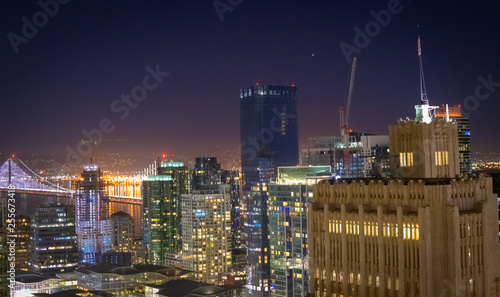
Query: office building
[(287, 208), (425, 232), (454, 114), (269, 138), (206, 225), (122, 238), (53, 240), (93, 226), (367, 154), (162, 212)]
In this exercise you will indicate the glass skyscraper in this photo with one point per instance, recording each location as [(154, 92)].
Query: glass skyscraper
[(287, 209), (53, 241), (93, 226), (162, 212), (269, 138)]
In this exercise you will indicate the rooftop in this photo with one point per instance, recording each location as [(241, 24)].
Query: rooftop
[(127, 270), (183, 287), (32, 277), (120, 214)]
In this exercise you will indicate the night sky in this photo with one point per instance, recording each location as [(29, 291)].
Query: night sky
[(65, 78)]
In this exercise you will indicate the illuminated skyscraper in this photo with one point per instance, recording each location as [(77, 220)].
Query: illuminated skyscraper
[(93, 226), (206, 227), (208, 175), (53, 240), (287, 208), (455, 115), (269, 138), (162, 212)]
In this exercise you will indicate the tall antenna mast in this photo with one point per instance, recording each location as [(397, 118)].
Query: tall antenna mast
[(423, 91), (424, 112)]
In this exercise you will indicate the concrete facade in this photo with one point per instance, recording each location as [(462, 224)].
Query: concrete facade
[(427, 231)]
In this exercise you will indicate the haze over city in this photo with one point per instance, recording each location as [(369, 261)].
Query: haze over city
[(66, 77)]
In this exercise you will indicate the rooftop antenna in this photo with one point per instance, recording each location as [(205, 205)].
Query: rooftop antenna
[(424, 112), (423, 90)]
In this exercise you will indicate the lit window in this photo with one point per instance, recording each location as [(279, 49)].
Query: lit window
[(406, 159), (441, 158)]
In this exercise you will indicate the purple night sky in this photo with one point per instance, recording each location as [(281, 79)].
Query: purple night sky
[(66, 77)]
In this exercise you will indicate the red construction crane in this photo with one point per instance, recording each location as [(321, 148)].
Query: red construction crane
[(344, 121)]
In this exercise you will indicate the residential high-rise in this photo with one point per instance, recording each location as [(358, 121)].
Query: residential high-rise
[(269, 138), (208, 175), (122, 238), (162, 212), (206, 227), (53, 240), (93, 226), (287, 208), (454, 114), (425, 232)]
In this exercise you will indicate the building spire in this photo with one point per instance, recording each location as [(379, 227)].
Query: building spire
[(424, 111), (423, 91)]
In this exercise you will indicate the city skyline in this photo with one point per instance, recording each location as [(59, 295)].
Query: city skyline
[(87, 55)]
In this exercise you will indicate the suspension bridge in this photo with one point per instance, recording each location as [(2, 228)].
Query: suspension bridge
[(15, 173)]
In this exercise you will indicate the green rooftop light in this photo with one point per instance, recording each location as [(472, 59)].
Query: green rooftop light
[(158, 178), (172, 164)]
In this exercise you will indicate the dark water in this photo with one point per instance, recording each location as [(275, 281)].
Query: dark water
[(26, 205)]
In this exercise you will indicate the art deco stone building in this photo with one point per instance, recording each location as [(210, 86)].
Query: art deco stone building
[(427, 231)]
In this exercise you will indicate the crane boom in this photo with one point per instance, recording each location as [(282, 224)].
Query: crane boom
[(95, 145), (349, 96), (344, 124)]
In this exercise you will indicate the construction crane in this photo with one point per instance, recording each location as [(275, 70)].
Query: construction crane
[(94, 153), (344, 121)]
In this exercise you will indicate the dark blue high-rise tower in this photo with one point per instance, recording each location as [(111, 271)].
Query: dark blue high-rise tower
[(269, 138)]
